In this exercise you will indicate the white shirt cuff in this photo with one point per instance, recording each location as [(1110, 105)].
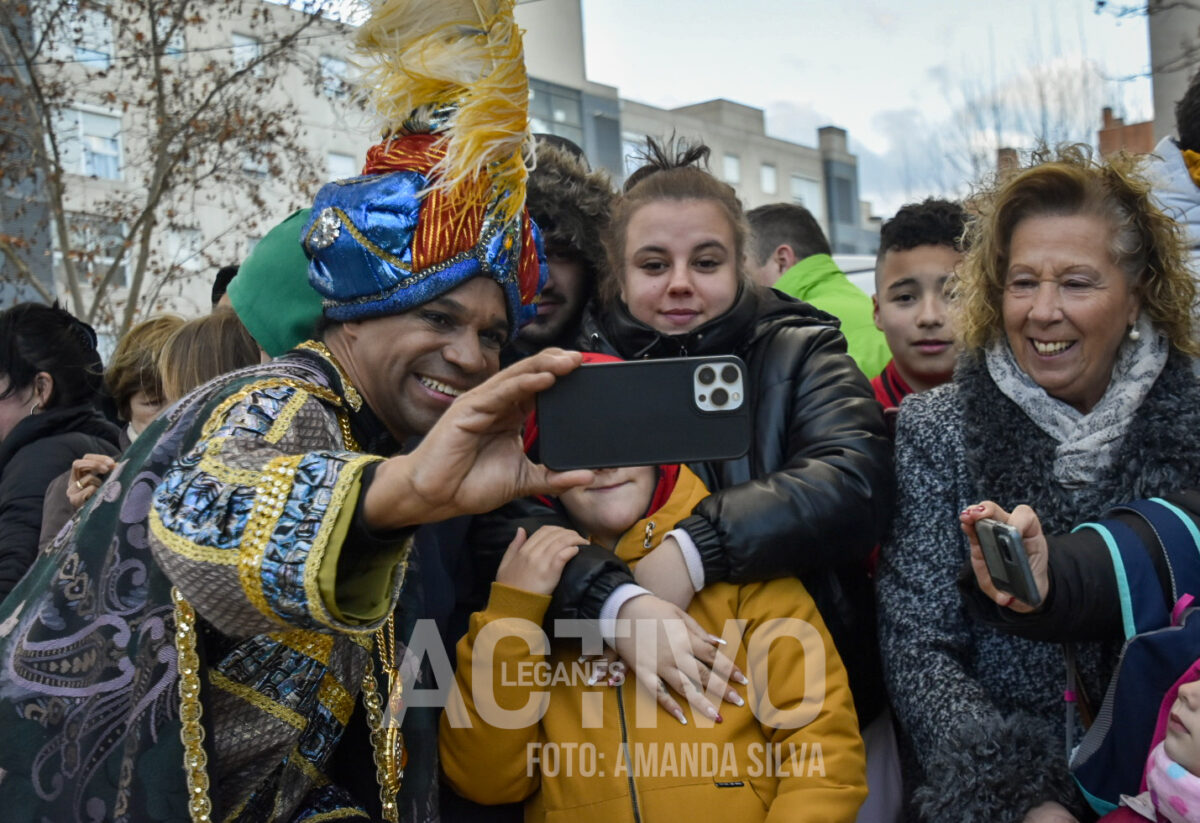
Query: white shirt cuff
[(608, 612), (691, 556)]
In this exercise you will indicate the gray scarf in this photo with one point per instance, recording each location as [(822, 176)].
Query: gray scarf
[(1087, 443)]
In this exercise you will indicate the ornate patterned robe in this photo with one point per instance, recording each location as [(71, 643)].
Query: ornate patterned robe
[(242, 497)]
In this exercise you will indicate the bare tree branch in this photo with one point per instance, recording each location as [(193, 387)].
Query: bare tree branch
[(192, 116)]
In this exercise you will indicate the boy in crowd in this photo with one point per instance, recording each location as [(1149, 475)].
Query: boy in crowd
[(769, 762), (570, 204), (918, 251)]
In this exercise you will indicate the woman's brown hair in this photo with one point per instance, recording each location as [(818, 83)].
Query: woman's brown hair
[(133, 366), (1146, 244), (205, 348)]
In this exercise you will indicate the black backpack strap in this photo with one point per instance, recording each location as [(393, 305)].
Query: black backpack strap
[(1180, 541), (1142, 604)]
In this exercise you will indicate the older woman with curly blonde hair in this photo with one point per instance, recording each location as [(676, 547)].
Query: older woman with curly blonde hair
[(1074, 392)]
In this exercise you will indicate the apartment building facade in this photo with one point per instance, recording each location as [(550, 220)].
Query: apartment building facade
[(102, 148)]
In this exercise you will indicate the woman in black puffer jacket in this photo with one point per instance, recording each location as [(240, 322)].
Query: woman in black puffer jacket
[(50, 377), (814, 495)]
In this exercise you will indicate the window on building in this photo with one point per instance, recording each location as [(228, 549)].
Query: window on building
[(731, 169), (174, 45), (94, 43), (768, 180), (632, 148), (333, 76), (246, 50), (341, 166), (255, 165), (807, 192), (95, 242), (846, 206), (556, 110), (90, 143), (183, 249)]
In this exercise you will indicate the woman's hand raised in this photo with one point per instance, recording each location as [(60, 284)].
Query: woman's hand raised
[(1025, 521)]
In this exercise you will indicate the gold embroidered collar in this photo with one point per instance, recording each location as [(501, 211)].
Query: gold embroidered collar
[(353, 398)]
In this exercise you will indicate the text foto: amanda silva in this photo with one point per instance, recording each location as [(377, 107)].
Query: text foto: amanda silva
[(718, 760)]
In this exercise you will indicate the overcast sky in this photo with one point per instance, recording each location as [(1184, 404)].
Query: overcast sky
[(894, 75)]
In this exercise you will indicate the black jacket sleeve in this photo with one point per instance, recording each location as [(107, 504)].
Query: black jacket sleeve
[(829, 502), (1082, 604), (22, 495)]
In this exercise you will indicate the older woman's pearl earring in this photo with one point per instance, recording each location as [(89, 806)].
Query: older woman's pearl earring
[(1135, 335)]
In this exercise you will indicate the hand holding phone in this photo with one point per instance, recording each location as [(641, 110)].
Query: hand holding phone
[(1007, 560)]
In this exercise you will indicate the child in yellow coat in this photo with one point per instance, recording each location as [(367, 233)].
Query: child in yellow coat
[(528, 722)]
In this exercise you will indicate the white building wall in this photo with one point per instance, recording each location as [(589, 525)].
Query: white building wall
[(1173, 33), (734, 131), (554, 41)]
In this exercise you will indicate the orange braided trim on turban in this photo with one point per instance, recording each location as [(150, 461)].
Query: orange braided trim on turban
[(529, 270), (448, 223)]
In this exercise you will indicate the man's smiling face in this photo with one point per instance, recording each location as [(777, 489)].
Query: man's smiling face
[(410, 367)]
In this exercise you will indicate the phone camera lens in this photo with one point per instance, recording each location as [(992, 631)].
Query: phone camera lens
[(1006, 549), (729, 374), (720, 397), (706, 376)]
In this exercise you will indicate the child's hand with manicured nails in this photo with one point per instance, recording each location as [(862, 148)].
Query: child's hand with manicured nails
[(534, 564)]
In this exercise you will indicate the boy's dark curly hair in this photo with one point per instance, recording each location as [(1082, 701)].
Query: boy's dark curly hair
[(932, 222)]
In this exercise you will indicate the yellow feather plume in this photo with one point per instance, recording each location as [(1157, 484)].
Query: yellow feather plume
[(422, 53)]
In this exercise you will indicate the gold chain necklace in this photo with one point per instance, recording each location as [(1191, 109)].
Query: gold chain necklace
[(353, 398), (191, 731), (387, 744)]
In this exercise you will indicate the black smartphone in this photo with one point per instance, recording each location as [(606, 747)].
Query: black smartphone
[(645, 413), (1007, 562)]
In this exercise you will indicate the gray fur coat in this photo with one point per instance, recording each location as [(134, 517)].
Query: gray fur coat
[(984, 710)]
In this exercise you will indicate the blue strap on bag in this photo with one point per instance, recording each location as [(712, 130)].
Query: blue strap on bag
[(1161, 642)]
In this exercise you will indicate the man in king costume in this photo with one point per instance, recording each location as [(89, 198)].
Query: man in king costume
[(193, 644)]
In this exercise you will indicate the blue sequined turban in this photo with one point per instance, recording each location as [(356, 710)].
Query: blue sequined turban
[(377, 245)]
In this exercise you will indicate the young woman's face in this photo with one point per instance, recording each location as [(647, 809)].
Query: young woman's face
[(680, 264), (143, 408)]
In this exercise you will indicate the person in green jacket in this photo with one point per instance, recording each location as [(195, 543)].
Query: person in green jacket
[(789, 252)]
